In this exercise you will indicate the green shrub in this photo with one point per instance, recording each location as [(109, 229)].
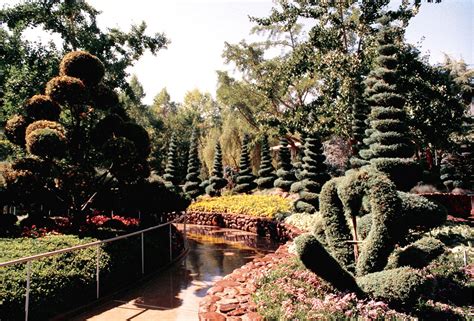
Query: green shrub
[(41, 107), (416, 255), (245, 179), (15, 129), (66, 90), (192, 186), (266, 173), (171, 171), (82, 65), (46, 143), (285, 175), (400, 287), (54, 281), (419, 212), (217, 180), (315, 257)]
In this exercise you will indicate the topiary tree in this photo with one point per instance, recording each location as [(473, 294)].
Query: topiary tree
[(266, 173), (360, 125), (79, 144), (170, 170), (285, 175), (392, 214), (217, 180), (314, 175), (192, 186), (390, 149), (245, 179)]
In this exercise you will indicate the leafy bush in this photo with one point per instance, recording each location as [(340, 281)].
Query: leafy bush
[(54, 281), (253, 205), (417, 254), (41, 107)]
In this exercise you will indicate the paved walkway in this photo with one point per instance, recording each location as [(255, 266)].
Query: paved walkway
[(175, 293)]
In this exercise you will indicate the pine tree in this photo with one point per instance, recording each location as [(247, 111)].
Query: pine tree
[(266, 173), (170, 170), (245, 179), (217, 180), (285, 175), (314, 175), (192, 186), (390, 149)]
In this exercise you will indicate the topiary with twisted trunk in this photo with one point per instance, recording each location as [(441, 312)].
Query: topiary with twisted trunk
[(217, 180), (266, 173), (245, 179), (313, 176), (192, 186), (170, 170), (286, 177)]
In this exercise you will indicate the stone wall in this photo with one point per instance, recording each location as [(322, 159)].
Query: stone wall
[(278, 231)]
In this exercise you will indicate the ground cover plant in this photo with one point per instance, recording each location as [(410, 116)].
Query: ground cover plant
[(267, 206)]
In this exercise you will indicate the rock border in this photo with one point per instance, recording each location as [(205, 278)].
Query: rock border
[(231, 298)]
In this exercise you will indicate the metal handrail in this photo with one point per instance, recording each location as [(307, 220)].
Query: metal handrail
[(28, 259), (83, 246)]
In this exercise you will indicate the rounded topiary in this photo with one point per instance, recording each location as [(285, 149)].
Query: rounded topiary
[(42, 124), (15, 129), (41, 107), (171, 172), (102, 97), (46, 143), (416, 255), (314, 175), (400, 287), (266, 173), (66, 90), (285, 175), (82, 65), (217, 180), (192, 186), (25, 185), (390, 149), (245, 179), (105, 129), (138, 135), (119, 151)]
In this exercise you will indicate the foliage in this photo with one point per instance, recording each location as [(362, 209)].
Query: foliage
[(266, 173), (41, 107), (253, 205), (216, 181), (46, 143), (54, 281), (291, 292), (416, 255), (192, 185), (285, 175), (170, 170), (245, 179), (29, 65), (313, 176)]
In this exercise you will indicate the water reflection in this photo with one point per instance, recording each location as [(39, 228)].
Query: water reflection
[(174, 294)]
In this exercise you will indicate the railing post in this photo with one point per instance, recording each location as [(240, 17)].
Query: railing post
[(171, 250), (27, 294), (97, 270), (143, 254), (184, 229)]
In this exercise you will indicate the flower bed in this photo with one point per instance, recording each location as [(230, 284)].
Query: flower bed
[(267, 206)]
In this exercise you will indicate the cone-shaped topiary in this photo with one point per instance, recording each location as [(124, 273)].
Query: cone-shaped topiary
[(360, 111), (297, 186), (266, 173), (390, 149), (286, 177), (192, 186), (41, 107), (245, 179), (314, 175), (217, 180), (170, 170)]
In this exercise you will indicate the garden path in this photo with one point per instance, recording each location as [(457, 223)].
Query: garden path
[(174, 294)]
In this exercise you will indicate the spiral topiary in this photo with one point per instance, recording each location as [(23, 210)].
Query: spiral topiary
[(66, 90), (15, 129), (360, 124), (390, 149), (41, 107), (314, 175), (82, 65), (217, 180), (266, 173), (245, 179), (170, 170), (46, 143), (192, 186), (284, 172)]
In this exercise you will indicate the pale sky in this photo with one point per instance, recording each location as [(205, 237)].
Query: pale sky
[(198, 29)]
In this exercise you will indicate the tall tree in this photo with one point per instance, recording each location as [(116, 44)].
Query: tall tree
[(285, 174), (217, 181), (266, 173), (170, 170), (192, 186), (245, 179)]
